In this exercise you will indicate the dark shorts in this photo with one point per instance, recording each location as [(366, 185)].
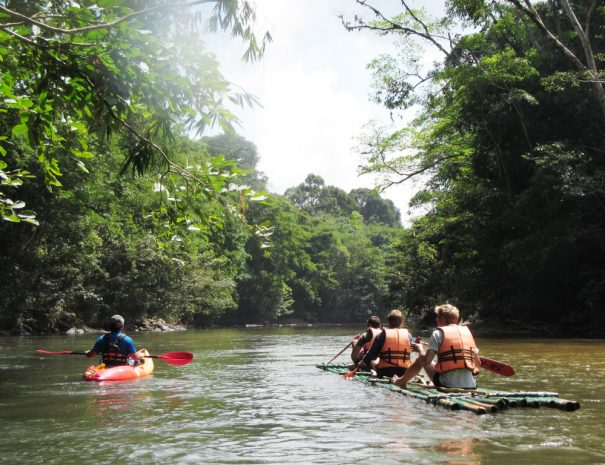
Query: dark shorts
[(388, 372)]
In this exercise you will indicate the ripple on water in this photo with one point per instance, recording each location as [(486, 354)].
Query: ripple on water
[(256, 397)]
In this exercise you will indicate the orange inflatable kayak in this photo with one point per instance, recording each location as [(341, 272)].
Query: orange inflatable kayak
[(121, 372)]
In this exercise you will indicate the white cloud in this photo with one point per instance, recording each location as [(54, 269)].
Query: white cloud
[(314, 88)]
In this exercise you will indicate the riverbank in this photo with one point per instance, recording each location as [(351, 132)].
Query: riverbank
[(481, 329), (147, 325)]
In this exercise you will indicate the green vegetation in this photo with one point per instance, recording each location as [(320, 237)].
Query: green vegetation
[(111, 205), (510, 140), (127, 212), (105, 245)]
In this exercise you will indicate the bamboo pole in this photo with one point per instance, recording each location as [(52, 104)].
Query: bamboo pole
[(465, 405), (479, 401), (564, 404)]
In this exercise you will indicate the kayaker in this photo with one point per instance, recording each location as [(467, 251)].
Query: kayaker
[(392, 347), (114, 347), (362, 343), (457, 354)]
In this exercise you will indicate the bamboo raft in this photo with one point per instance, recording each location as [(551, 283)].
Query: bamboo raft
[(478, 401)]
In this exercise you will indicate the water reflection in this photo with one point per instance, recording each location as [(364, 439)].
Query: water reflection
[(459, 451), (110, 398)]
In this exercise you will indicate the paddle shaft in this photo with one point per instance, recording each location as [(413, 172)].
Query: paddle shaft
[(339, 353), (173, 358)]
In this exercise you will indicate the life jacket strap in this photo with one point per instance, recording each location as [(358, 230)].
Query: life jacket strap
[(395, 355), (111, 352)]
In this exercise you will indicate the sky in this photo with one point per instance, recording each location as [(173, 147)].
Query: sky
[(315, 89)]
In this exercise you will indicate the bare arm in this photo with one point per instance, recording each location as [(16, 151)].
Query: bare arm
[(355, 352), (428, 357)]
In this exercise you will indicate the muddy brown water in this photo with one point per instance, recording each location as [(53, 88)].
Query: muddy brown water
[(254, 396)]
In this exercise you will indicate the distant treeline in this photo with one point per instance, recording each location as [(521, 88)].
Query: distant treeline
[(102, 247)]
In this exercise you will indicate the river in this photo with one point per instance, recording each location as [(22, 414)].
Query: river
[(254, 396)]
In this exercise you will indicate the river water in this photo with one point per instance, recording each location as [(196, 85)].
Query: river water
[(254, 396)]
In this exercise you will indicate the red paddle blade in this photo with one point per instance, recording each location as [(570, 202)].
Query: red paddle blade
[(176, 358), (350, 374), (497, 366)]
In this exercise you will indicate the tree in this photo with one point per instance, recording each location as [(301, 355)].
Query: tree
[(586, 19), (314, 197), (276, 282), (306, 195), (241, 151), (374, 208), (509, 139), (105, 245), (76, 72)]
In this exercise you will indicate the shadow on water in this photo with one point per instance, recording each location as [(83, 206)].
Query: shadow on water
[(254, 396)]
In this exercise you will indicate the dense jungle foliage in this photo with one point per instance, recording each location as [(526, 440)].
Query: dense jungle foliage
[(510, 140), (115, 201)]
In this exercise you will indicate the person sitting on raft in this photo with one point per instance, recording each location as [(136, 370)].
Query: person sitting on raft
[(361, 344), (457, 354), (393, 345), (114, 347)]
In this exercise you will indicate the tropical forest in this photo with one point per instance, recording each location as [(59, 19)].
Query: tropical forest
[(126, 188)]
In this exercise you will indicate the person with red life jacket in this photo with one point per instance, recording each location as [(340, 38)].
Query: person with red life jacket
[(392, 347), (457, 361), (114, 347), (361, 344)]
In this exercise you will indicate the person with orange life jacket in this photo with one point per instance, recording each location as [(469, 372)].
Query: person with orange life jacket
[(393, 348), (361, 344), (457, 354), (114, 347)]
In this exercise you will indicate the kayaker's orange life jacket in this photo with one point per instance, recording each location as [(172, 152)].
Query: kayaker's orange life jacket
[(375, 332), (396, 350), (112, 355), (456, 350)]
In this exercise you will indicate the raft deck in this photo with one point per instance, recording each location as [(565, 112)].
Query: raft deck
[(479, 401)]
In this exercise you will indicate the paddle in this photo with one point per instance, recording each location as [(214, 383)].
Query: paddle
[(172, 358), (495, 366), (334, 358)]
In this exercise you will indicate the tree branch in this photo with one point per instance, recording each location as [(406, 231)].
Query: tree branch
[(29, 20), (395, 26), (590, 67)]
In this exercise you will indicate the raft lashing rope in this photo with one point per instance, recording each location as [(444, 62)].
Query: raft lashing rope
[(479, 401)]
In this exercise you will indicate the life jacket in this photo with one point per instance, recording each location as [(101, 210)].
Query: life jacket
[(396, 350), (112, 355), (375, 332), (456, 350)]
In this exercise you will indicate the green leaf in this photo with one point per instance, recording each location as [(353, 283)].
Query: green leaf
[(20, 130), (82, 166), (25, 214), (32, 221)]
